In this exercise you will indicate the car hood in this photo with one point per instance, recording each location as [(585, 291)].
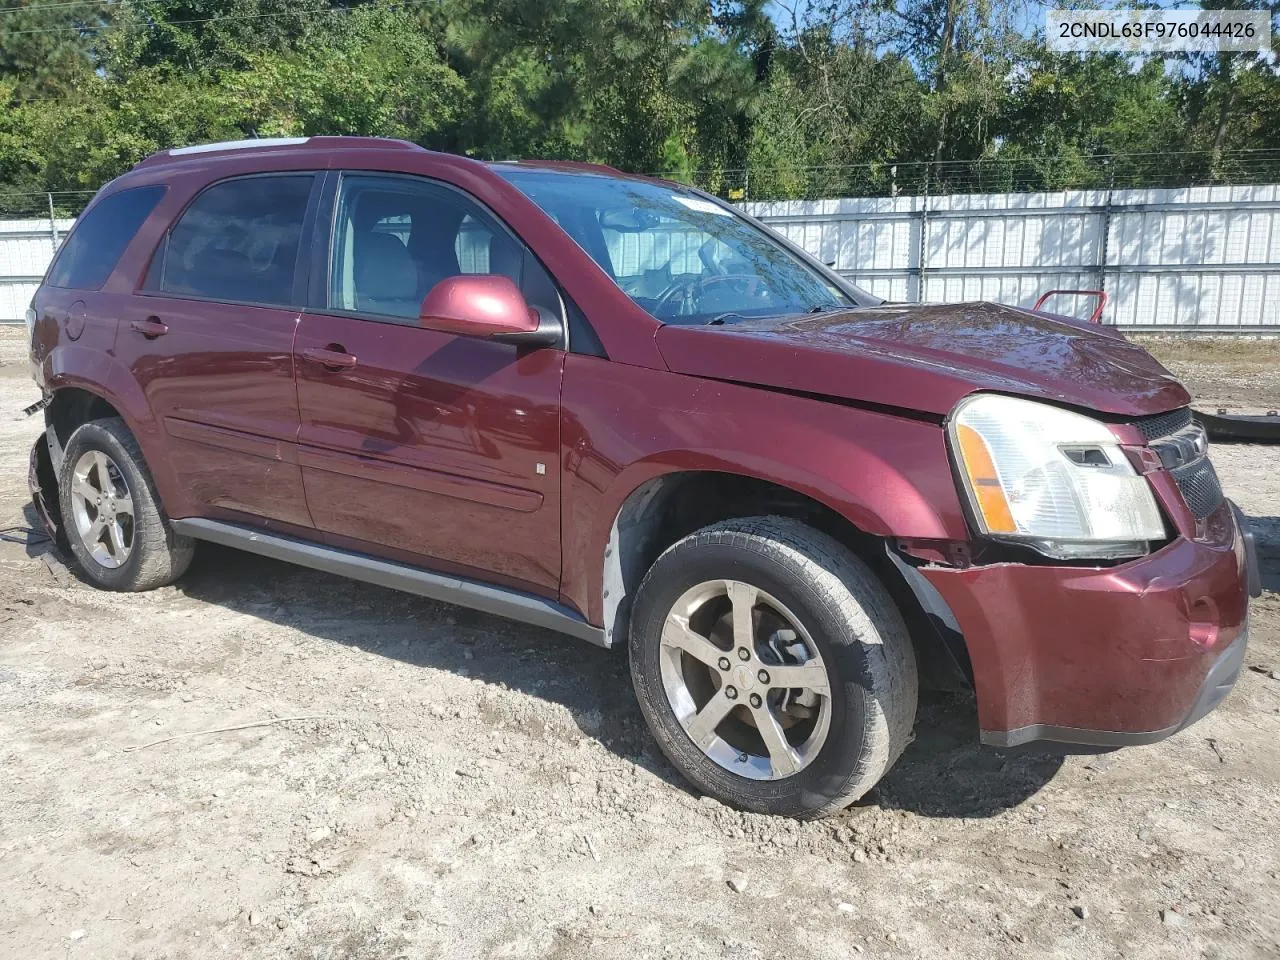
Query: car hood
[(926, 358)]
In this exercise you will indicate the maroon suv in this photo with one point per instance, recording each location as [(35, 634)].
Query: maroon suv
[(615, 407)]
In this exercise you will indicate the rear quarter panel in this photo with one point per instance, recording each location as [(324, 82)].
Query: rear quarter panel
[(90, 363)]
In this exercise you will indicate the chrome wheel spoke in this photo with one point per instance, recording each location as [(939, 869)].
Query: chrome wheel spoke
[(102, 469), (677, 633), (124, 506), (811, 675), (782, 757), (94, 533), (743, 598), (701, 727), (83, 489), (116, 535)]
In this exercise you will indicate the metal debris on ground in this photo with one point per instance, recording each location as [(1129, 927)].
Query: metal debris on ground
[(27, 536)]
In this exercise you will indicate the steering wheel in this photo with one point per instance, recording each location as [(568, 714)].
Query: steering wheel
[(691, 289)]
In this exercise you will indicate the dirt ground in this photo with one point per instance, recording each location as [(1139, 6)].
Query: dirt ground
[(1239, 374), (463, 787)]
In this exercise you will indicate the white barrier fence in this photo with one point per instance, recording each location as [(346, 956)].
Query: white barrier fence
[(1204, 259), (1195, 259), (26, 247)]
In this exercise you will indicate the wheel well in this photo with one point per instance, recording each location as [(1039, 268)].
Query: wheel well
[(668, 508), (71, 407)]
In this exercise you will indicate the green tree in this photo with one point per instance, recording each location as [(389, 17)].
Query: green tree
[(207, 35), (579, 79), (785, 97), (47, 49), (1231, 100), (723, 76), (372, 72), (1067, 112)]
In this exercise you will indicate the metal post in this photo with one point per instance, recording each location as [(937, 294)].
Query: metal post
[(923, 246), (1105, 246), (53, 223)]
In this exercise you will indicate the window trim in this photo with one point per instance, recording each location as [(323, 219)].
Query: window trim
[(301, 265), (65, 246), (322, 253)]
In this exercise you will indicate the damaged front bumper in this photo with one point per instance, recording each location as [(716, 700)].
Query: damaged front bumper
[(1107, 656), (42, 478)]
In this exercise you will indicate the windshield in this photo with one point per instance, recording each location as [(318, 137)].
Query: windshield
[(681, 257)]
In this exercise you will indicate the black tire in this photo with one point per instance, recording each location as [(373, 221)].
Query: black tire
[(157, 554), (850, 617)]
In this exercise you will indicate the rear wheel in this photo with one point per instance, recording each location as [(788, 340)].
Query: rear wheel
[(773, 667), (111, 514)]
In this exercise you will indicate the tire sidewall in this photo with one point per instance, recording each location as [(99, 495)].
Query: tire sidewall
[(93, 436), (851, 665)]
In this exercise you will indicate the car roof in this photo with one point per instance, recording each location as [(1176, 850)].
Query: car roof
[(305, 146)]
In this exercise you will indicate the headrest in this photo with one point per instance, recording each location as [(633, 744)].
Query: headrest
[(372, 206), (384, 270)]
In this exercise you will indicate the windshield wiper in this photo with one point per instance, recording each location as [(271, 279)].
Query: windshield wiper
[(721, 318)]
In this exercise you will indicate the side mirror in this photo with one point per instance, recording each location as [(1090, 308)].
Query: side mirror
[(486, 305)]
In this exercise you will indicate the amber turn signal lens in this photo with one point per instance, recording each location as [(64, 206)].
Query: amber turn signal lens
[(975, 458)]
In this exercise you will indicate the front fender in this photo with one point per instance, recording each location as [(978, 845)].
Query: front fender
[(624, 426)]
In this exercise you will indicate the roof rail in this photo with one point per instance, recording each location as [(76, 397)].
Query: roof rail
[(238, 145), (265, 143)]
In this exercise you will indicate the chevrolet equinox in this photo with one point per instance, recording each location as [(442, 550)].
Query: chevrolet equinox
[(618, 408)]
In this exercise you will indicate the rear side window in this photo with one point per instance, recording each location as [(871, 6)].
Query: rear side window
[(100, 236), (237, 241)]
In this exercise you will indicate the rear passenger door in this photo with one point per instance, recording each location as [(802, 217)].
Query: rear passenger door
[(416, 443), (210, 340)]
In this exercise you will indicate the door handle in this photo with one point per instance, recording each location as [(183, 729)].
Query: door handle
[(150, 327), (332, 357)]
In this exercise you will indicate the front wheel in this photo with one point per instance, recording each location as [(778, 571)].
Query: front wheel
[(773, 667), (112, 515)]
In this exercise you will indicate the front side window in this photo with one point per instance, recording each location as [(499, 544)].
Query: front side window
[(238, 241), (100, 237), (395, 238), (680, 256)]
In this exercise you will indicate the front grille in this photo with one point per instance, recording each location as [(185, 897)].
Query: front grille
[(1181, 449), (1198, 482), (1163, 424)]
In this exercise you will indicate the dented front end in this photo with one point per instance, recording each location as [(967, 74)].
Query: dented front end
[(42, 478)]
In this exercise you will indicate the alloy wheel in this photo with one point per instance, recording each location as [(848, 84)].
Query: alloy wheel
[(103, 509), (745, 680)]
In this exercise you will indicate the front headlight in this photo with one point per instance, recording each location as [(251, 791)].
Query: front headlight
[(1055, 480)]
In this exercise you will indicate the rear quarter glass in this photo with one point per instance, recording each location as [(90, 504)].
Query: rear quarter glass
[(100, 236)]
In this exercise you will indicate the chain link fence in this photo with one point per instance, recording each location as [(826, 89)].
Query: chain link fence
[(1020, 174), (42, 204), (994, 175)]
